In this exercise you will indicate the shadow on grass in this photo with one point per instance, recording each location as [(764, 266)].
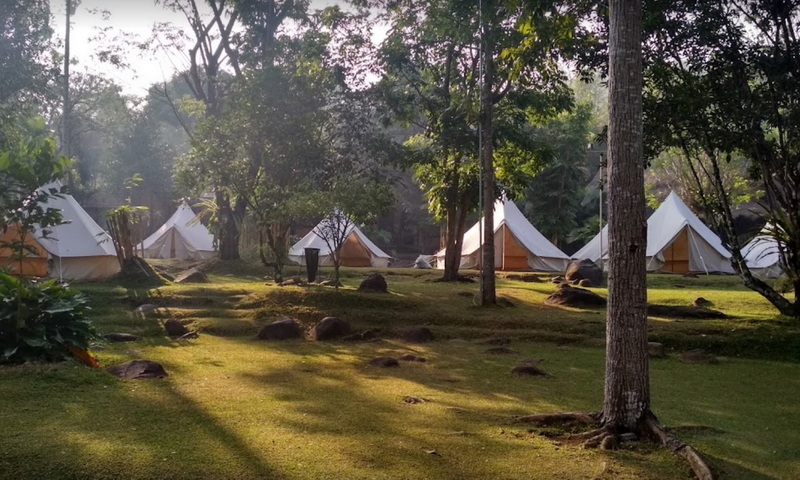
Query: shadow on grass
[(726, 469), (106, 428)]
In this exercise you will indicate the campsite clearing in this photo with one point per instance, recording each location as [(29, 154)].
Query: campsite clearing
[(235, 407)]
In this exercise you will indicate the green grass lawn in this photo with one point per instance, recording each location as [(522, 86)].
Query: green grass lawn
[(235, 407)]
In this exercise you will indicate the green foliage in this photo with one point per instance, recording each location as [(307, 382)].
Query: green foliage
[(432, 59), (41, 321), (24, 167), (38, 321), (672, 171), (24, 172), (559, 186), (783, 285), (722, 86), (122, 221), (583, 234), (24, 67)]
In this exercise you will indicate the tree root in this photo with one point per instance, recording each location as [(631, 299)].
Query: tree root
[(696, 462), (552, 419), (606, 438)]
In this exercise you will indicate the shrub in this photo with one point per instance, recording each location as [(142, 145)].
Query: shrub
[(42, 321), (783, 284)]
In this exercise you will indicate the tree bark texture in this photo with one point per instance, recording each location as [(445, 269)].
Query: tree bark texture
[(228, 241), (456, 227), (488, 291), (627, 386)]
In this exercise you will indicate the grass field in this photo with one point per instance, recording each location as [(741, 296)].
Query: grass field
[(235, 407)]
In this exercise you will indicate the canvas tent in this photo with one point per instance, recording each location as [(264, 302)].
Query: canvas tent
[(356, 251), (762, 255), (517, 243), (180, 237), (677, 242), (76, 250)]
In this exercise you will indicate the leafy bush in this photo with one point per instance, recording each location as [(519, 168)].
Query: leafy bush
[(783, 284), (42, 321)]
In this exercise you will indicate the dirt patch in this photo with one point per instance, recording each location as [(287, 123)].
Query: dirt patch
[(698, 356), (419, 335), (528, 369), (502, 351), (530, 278), (413, 358), (679, 311)]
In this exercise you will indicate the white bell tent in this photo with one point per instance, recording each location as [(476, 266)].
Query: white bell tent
[(677, 242), (517, 243), (75, 250), (356, 251), (180, 237), (762, 255)]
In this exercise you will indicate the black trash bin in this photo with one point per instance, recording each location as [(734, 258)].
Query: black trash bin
[(312, 263)]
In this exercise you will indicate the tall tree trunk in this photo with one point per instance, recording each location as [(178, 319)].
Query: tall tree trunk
[(451, 259), (488, 292), (66, 115), (627, 384), (228, 240)]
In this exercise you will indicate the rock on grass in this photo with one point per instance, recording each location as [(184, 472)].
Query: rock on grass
[(137, 369), (329, 328), (384, 362)]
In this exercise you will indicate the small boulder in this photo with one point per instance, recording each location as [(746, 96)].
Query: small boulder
[(192, 275), (384, 362), (412, 400), (501, 351), (655, 350), (575, 297), (585, 283), (282, 329), (418, 335), (528, 370), (584, 270), (702, 302), (174, 328), (137, 369), (698, 356), (374, 283), (413, 358), (120, 337), (146, 308), (329, 328)]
